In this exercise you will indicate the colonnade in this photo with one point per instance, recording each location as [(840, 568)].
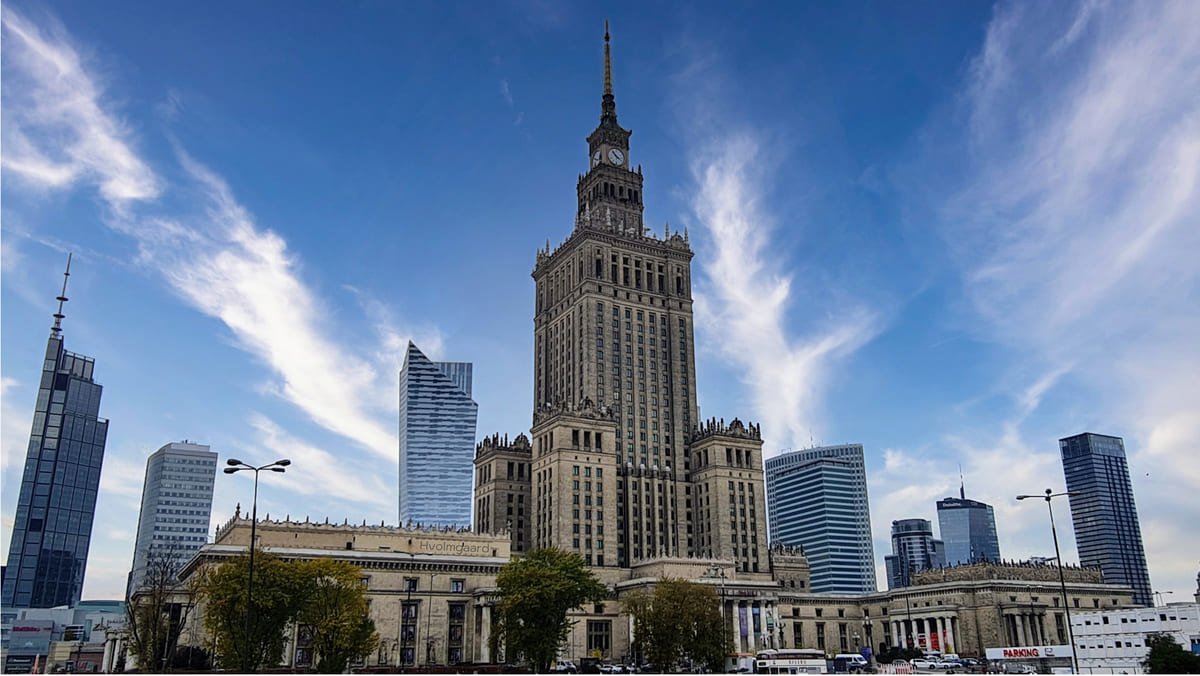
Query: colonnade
[(754, 640), (1025, 627), (944, 626)]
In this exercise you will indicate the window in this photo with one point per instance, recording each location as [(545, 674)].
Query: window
[(599, 636), (456, 586)]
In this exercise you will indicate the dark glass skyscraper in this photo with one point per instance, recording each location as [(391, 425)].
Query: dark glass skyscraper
[(968, 529), (913, 549), (1107, 533), (817, 498), (437, 440), (52, 524)]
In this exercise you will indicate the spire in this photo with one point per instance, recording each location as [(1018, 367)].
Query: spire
[(962, 485), (62, 298), (608, 106)]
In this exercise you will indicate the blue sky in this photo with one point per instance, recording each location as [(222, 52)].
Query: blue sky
[(953, 232)]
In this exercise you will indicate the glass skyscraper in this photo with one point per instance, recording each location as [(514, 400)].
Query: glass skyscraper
[(437, 440), (913, 549), (52, 524), (968, 529), (817, 498), (1107, 532), (176, 505)]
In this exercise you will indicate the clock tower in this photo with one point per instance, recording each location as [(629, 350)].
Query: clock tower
[(610, 193)]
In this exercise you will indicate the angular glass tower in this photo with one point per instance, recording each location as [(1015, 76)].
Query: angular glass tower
[(52, 524), (913, 549), (968, 528), (817, 498), (176, 505), (437, 440), (1107, 532)]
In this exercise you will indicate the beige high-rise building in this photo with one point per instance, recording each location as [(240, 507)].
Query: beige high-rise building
[(616, 435)]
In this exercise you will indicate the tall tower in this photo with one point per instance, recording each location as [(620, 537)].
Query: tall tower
[(968, 528), (818, 500), (437, 440), (1107, 532), (176, 506), (913, 549), (614, 372), (52, 523)]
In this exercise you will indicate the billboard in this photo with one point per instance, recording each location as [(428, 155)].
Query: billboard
[(1029, 652), (30, 637)]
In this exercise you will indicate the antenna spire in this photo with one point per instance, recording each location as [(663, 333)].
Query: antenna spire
[(962, 485), (62, 298), (608, 106)]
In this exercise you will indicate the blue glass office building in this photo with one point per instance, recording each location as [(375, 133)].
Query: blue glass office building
[(817, 499), (913, 549), (437, 440), (968, 529), (52, 523), (1107, 532)]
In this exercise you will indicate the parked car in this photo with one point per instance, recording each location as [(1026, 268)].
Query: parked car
[(926, 664)]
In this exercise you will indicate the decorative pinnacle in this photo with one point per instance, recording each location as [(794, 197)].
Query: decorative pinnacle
[(62, 298), (608, 107)]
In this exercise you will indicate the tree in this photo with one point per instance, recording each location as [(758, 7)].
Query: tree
[(1168, 657), (158, 608), (278, 597), (536, 592), (336, 612), (679, 621)]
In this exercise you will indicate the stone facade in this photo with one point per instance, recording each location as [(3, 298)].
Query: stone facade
[(445, 578), (502, 491)]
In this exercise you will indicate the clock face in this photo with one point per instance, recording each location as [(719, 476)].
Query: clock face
[(596, 158), (616, 156)]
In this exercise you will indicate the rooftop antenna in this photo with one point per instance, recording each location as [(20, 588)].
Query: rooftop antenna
[(962, 485), (62, 298)]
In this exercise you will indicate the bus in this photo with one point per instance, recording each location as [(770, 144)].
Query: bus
[(791, 661)]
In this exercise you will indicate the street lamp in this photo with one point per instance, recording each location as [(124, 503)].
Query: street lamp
[(1159, 597), (235, 465), (1062, 580)]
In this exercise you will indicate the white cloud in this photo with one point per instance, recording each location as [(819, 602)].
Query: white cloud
[(14, 430), (1075, 228), (315, 471), (744, 300), (55, 130)]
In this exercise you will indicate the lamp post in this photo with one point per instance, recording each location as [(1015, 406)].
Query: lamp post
[(235, 465), (1062, 580)]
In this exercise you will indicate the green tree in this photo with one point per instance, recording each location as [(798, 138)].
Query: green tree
[(336, 611), (1168, 657), (158, 608), (679, 621), (536, 593), (277, 598)]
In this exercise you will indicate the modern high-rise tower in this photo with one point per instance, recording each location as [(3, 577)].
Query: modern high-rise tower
[(968, 529), (818, 500), (176, 505), (52, 522), (622, 470), (913, 549), (1107, 532), (437, 440)]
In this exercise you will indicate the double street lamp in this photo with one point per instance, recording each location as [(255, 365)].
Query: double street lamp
[(235, 465), (1062, 580)]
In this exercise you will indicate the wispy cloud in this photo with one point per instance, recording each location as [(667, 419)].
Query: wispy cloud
[(744, 299), (506, 93), (51, 98), (14, 427), (317, 472), (1074, 223)]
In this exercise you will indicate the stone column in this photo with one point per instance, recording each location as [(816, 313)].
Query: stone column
[(733, 622), (895, 633), (485, 636)]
